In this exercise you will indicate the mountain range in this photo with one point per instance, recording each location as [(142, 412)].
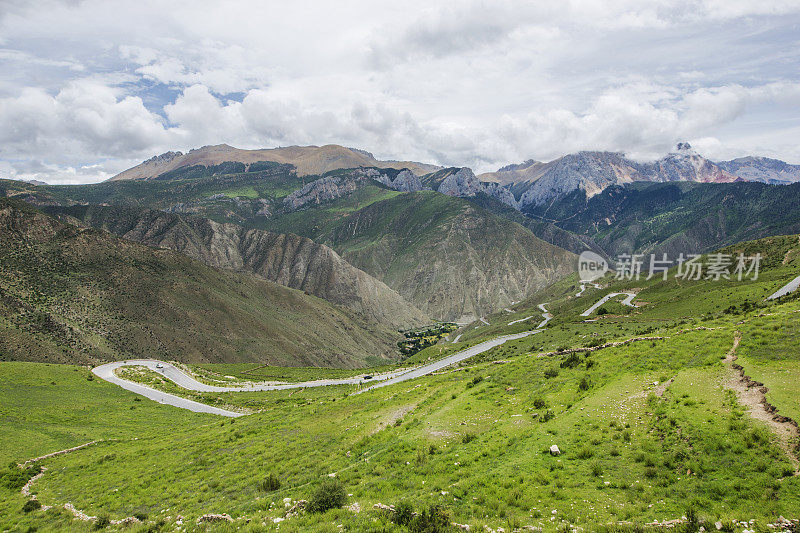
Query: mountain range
[(308, 160), (378, 246), (521, 186)]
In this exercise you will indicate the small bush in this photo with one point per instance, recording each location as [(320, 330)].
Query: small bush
[(571, 361), (602, 311), (468, 437), (692, 523), (329, 495), (270, 483), (403, 514), (584, 384), (539, 403), (550, 373), (102, 521), (475, 381), (31, 505), (434, 519), (585, 453), (15, 478)]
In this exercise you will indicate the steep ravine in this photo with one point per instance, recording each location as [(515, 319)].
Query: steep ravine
[(286, 259)]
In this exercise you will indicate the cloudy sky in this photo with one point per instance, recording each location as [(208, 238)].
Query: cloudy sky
[(89, 88)]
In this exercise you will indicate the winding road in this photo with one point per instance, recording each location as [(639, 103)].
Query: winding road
[(546, 315), (584, 283), (184, 380), (786, 289), (627, 301)]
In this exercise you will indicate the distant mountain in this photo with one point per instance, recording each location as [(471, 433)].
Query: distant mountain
[(676, 217), (77, 295), (449, 257), (286, 259), (762, 169), (307, 160), (534, 183)]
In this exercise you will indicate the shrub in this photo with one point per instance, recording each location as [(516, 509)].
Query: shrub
[(434, 519), (270, 483), (550, 373), (571, 361), (403, 514), (602, 311), (329, 495), (547, 416), (584, 384), (31, 505), (15, 478), (596, 342), (597, 470), (692, 523), (585, 453), (102, 521), (475, 381), (468, 437)]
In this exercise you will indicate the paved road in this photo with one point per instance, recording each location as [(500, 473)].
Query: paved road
[(179, 377), (520, 320), (106, 372), (547, 315), (786, 289), (627, 301), (584, 284), (447, 361)]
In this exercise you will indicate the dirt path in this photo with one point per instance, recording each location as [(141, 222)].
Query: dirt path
[(751, 394)]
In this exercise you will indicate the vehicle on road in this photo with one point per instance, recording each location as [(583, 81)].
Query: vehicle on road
[(159, 365), (368, 377)]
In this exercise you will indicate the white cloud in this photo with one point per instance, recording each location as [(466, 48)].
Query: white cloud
[(469, 82)]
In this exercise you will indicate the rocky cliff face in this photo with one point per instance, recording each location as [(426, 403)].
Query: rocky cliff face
[(405, 181), (463, 183), (762, 169), (325, 189), (288, 260), (535, 183)]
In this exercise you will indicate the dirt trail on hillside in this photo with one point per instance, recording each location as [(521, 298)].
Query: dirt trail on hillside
[(752, 395)]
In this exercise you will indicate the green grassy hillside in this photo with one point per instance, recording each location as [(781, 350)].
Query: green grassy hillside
[(75, 295), (644, 406)]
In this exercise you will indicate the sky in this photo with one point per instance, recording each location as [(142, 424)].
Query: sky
[(90, 88)]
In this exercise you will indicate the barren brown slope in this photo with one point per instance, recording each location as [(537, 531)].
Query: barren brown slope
[(307, 159), (446, 255), (286, 259), (75, 295)]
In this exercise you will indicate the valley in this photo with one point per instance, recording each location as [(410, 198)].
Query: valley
[(244, 335)]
